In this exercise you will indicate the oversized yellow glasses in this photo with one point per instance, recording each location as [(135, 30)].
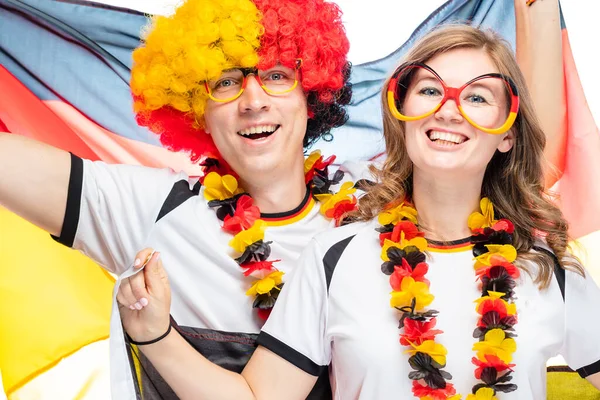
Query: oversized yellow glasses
[(231, 84), (489, 102)]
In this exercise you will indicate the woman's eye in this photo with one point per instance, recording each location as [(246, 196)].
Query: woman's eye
[(476, 99), (429, 91)]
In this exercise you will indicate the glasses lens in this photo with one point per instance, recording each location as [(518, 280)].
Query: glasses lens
[(278, 80), (228, 85), (419, 91), (487, 102)]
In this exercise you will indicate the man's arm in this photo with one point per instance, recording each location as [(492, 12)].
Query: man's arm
[(539, 53), (34, 180), (595, 380)]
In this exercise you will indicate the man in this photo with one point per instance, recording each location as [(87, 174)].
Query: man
[(250, 85)]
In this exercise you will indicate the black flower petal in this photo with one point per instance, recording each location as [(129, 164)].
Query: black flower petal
[(387, 267), (435, 381), (498, 281), (337, 177), (385, 228), (267, 301), (412, 255), (395, 255), (257, 251), (415, 257), (489, 375), (422, 362), (429, 370)]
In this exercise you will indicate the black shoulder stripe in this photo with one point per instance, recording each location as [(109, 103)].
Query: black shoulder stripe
[(559, 271), (588, 370), (179, 194), (73, 207), (332, 257), (289, 354)]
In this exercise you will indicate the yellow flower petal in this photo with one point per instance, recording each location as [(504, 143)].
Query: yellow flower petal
[(495, 336), (392, 216), (511, 309), (483, 394), (496, 344), (230, 183), (435, 350), (475, 221), (387, 244), (220, 188), (485, 219), (419, 242), (212, 179), (506, 251), (411, 290), (311, 160), (246, 237), (491, 296), (265, 285)]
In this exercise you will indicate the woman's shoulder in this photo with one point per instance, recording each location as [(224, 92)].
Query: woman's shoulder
[(345, 234)]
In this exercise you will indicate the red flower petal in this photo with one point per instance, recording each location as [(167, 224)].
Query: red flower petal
[(264, 314), (420, 271), (504, 225), (417, 332), (436, 394), (491, 362), (309, 176), (410, 231), (383, 236), (492, 305), (397, 276), (341, 208), (255, 266), (246, 213), (321, 164)]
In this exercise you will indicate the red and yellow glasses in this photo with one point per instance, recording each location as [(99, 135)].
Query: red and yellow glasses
[(274, 81), (489, 102)]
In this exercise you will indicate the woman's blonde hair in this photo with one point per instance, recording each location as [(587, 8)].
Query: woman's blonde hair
[(513, 181)]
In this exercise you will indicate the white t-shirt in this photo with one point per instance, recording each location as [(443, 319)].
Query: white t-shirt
[(336, 310), (114, 211)]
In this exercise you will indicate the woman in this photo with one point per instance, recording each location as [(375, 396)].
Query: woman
[(476, 307)]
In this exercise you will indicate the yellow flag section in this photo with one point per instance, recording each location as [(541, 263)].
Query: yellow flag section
[(53, 302)]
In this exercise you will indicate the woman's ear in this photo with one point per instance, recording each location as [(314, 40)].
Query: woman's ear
[(507, 142)]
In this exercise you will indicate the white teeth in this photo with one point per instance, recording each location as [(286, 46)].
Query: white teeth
[(447, 137), (253, 130)]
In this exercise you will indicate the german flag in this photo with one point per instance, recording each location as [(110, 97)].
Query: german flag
[(64, 80)]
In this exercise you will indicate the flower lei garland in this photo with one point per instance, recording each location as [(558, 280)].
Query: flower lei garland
[(403, 253), (241, 218)]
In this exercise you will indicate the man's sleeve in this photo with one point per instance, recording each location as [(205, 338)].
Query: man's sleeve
[(296, 329), (111, 209), (581, 347)]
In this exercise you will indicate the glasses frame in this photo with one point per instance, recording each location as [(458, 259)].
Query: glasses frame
[(451, 93), (254, 71)]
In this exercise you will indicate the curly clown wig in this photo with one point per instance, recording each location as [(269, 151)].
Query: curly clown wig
[(205, 37)]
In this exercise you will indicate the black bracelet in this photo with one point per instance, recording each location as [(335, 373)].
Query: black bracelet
[(161, 337)]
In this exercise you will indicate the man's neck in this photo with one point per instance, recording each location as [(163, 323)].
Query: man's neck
[(276, 193), (444, 205)]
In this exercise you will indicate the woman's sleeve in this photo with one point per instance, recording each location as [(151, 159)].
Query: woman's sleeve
[(581, 346), (297, 327)]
